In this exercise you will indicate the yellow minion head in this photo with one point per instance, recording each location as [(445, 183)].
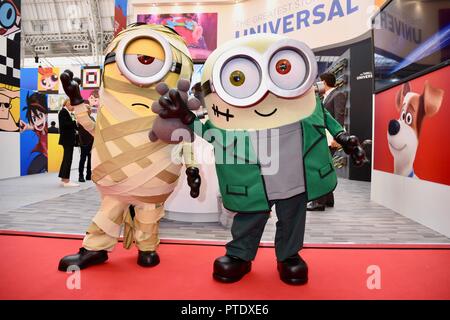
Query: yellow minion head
[(258, 82), (139, 58)]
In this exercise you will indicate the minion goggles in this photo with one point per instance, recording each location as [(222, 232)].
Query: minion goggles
[(266, 82), (118, 56)]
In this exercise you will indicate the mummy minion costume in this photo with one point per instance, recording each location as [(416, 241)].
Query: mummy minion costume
[(133, 174), (259, 94)]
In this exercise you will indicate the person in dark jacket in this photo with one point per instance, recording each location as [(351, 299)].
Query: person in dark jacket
[(334, 101), (86, 142), (67, 139), (53, 128)]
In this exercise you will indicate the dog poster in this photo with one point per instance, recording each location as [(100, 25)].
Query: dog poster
[(412, 132)]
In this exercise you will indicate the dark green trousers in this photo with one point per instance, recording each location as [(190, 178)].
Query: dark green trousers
[(247, 229)]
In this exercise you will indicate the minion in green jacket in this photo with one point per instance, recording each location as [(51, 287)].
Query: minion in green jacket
[(268, 130)]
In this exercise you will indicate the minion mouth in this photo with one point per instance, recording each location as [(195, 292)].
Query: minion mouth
[(140, 104), (218, 113), (266, 114)]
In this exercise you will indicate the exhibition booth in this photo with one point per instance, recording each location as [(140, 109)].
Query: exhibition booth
[(390, 60), (346, 52)]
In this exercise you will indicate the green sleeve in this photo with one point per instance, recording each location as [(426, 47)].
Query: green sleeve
[(331, 123), (198, 127)]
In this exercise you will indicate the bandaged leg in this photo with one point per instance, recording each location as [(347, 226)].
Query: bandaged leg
[(146, 224), (104, 230)]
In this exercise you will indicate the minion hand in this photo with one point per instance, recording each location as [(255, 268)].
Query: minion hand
[(71, 87), (194, 181), (174, 110), (352, 147)]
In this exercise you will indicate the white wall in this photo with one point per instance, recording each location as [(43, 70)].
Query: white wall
[(181, 206), (10, 158), (428, 203)]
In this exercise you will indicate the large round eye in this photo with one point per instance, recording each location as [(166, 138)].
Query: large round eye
[(283, 66), (54, 78), (409, 118), (287, 69), (237, 78), (402, 116), (8, 15), (144, 57), (143, 65), (44, 82), (240, 77)]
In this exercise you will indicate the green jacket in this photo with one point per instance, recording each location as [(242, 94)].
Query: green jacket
[(238, 171)]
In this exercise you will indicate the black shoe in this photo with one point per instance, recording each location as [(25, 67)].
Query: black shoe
[(83, 259), (314, 206), (81, 179), (330, 204), (293, 270), (230, 269), (88, 176), (147, 258)]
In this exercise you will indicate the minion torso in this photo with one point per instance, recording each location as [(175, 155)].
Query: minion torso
[(126, 164), (124, 160)]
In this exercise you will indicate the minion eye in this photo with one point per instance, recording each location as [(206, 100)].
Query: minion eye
[(237, 78), (142, 65), (283, 66), (144, 57), (287, 69), (240, 77)]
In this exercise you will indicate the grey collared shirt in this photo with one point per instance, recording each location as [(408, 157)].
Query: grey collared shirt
[(280, 155)]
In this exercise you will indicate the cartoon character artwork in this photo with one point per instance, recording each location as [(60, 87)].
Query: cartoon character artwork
[(36, 114), (10, 19), (10, 27), (134, 175), (199, 30), (188, 28), (94, 101), (268, 131), (404, 133), (48, 81), (7, 119)]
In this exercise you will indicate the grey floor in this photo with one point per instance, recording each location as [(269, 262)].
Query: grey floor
[(37, 203)]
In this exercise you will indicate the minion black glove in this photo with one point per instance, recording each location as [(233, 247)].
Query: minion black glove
[(352, 147)]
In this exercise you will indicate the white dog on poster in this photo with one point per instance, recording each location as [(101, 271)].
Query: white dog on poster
[(404, 133)]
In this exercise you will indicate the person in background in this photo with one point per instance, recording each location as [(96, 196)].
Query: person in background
[(86, 142), (53, 128), (334, 101), (67, 139)]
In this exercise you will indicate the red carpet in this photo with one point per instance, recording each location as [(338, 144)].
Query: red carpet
[(28, 270)]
